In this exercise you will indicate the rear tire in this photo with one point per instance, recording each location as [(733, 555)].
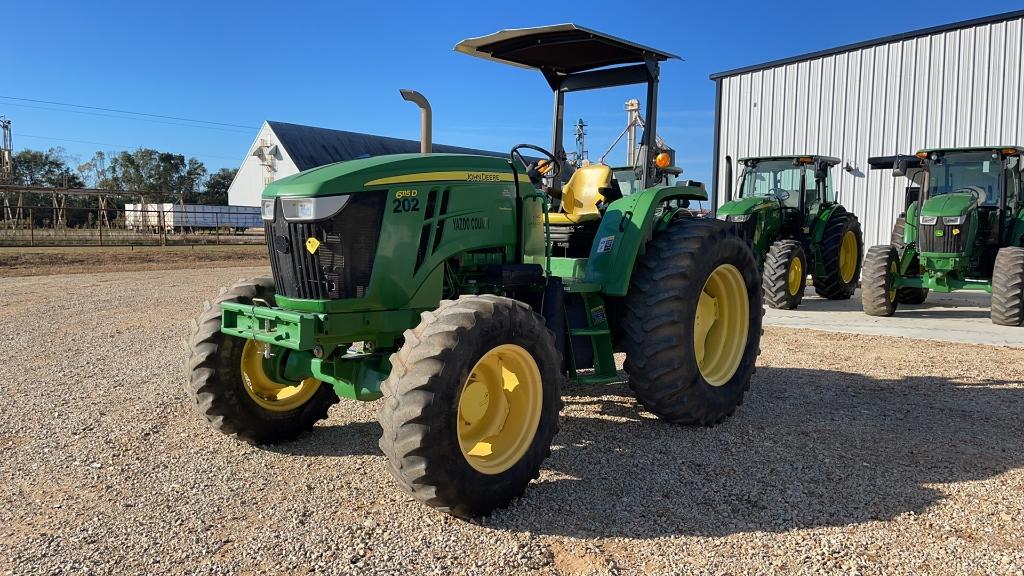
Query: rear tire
[(216, 383), (878, 297), (835, 284), (1008, 287), (424, 412), (661, 320), (785, 275)]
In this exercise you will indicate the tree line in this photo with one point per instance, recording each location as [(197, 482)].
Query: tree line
[(162, 176)]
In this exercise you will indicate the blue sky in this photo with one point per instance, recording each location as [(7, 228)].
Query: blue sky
[(340, 65)]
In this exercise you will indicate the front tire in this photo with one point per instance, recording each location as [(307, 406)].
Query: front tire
[(692, 322), (841, 248), (472, 404), (881, 265), (229, 387), (1008, 287), (785, 275)]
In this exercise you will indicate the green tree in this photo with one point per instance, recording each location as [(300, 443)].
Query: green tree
[(164, 175), (217, 186), (49, 169)]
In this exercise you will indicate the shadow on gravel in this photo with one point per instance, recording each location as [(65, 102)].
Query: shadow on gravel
[(949, 308), (810, 448), (352, 439)]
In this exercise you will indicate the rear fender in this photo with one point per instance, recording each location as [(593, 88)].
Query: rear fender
[(626, 227), (818, 232)]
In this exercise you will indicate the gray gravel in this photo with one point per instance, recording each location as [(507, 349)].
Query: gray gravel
[(853, 454)]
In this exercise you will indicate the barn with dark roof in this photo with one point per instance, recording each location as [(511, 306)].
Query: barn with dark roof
[(282, 149)]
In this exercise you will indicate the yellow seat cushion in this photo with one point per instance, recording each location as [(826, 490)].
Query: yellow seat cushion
[(583, 191)]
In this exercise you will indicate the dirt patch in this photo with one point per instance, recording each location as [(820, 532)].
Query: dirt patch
[(81, 260)]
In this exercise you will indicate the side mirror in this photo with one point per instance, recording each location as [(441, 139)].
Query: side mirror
[(820, 171), (900, 167)]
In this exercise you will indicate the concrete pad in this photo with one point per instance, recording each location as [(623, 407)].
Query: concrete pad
[(956, 317)]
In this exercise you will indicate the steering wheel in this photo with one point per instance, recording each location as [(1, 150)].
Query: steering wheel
[(780, 194), (552, 169), (976, 191)]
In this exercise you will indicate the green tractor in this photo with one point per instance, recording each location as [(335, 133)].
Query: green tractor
[(962, 229), (787, 210), (428, 280)]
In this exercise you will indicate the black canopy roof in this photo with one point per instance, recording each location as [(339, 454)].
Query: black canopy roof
[(561, 48), (309, 146)]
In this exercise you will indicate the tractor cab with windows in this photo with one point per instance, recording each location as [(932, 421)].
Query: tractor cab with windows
[(962, 229), (787, 211)]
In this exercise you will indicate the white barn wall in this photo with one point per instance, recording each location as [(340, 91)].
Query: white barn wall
[(252, 176), (960, 87)]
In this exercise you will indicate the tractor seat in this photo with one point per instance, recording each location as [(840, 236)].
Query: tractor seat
[(585, 188)]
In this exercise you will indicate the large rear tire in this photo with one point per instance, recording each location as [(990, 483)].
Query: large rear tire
[(228, 386), (842, 248), (692, 322), (878, 297), (1008, 287), (472, 404), (785, 275)]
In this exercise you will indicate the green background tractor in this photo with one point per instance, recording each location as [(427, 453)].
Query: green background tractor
[(963, 229), (787, 210), (428, 280)]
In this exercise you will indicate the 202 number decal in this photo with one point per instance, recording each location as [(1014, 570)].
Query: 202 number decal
[(406, 205)]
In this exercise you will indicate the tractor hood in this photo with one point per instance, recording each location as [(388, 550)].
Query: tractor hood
[(954, 204), (746, 206), (383, 172)]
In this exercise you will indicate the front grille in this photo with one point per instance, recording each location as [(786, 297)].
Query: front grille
[(947, 242), (342, 265)]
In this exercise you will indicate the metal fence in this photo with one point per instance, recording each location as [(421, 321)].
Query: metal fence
[(135, 225)]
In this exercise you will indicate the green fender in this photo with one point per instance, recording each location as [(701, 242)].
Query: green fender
[(627, 225), (817, 233)]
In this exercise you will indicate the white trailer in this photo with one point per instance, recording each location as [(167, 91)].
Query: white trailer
[(185, 216)]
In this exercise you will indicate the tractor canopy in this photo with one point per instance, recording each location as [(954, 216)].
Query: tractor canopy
[(573, 58)]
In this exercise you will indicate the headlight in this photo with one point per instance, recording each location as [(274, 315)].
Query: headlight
[(738, 218), (267, 209), (953, 220), (722, 216), (309, 209), (928, 220)]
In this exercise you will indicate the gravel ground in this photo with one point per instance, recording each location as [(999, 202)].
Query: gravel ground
[(853, 454)]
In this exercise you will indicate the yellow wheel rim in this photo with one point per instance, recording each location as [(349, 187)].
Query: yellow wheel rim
[(848, 257), (893, 270), (267, 392), (721, 324), (795, 276), (499, 409)]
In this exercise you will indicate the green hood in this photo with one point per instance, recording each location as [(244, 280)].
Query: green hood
[(746, 205), (382, 172), (953, 204)]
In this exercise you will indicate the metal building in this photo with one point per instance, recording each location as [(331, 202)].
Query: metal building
[(955, 85)]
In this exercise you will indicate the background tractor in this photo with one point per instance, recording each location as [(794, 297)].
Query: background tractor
[(429, 280), (962, 229), (786, 210)]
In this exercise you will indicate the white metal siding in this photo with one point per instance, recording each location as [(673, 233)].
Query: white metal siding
[(957, 88), (252, 176)]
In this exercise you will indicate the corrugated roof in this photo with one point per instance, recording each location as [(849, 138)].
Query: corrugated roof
[(310, 146), (868, 43)]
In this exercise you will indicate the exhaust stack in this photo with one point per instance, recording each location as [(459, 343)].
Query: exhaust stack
[(425, 117)]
